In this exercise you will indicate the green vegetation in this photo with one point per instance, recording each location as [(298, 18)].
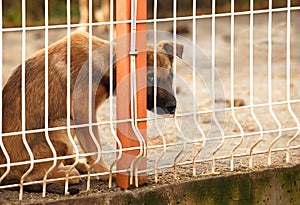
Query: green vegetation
[(35, 15), (35, 12)]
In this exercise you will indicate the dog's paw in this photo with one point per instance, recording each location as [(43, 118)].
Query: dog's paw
[(62, 171), (102, 168), (82, 167)]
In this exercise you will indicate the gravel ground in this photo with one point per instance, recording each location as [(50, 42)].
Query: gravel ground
[(189, 131)]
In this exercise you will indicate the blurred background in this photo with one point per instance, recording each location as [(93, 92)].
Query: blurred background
[(57, 9)]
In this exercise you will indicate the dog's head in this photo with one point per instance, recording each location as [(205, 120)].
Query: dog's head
[(165, 100)]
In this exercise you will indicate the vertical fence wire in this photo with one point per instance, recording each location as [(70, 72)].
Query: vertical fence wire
[(69, 97), (90, 121), (270, 84), (251, 69), (111, 93), (176, 115), (194, 66), (90, 93), (23, 83), (164, 142), (288, 78), (122, 109), (134, 115), (1, 81), (54, 154), (232, 83), (213, 84)]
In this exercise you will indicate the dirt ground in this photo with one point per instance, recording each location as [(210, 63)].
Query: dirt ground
[(253, 112)]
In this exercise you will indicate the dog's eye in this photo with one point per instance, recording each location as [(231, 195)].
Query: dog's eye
[(150, 78)]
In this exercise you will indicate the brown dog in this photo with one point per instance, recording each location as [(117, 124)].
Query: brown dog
[(57, 103)]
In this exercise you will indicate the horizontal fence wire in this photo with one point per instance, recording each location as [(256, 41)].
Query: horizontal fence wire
[(208, 133)]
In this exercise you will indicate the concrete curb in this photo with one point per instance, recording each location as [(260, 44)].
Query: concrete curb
[(270, 186)]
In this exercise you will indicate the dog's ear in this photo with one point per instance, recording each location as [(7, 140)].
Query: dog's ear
[(168, 47)]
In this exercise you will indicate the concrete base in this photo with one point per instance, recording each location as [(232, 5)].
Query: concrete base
[(270, 186)]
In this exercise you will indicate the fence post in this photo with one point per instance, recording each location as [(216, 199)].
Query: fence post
[(124, 129)]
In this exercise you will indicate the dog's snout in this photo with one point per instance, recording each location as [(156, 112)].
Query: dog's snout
[(171, 107)]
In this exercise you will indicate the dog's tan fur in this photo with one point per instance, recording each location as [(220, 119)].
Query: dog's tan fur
[(57, 103)]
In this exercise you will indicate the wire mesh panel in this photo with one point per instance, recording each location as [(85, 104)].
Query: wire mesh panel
[(219, 79)]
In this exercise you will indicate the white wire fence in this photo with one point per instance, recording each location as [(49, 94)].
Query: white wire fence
[(236, 88)]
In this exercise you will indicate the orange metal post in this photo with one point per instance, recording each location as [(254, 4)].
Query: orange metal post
[(124, 130)]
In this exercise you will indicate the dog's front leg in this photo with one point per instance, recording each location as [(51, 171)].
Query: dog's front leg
[(90, 143), (87, 133)]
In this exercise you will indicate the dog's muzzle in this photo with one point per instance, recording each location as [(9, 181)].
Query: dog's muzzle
[(165, 102), (170, 107)]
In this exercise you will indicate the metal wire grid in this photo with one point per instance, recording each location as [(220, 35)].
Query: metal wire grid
[(181, 157)]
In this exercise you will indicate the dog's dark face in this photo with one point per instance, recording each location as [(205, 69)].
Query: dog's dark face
[(165, 100)]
